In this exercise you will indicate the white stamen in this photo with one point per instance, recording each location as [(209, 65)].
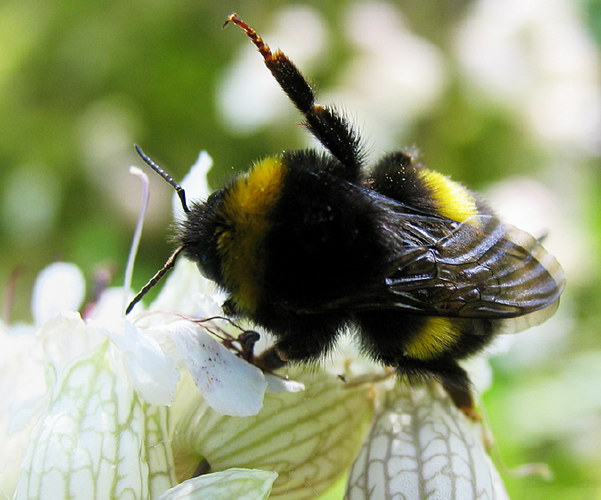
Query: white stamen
[(129, 269)]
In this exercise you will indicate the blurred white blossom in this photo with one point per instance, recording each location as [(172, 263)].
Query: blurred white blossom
[(59, 287), (536, 57), (393, 76)]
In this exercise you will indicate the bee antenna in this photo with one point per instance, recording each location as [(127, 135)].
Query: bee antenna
[(155, 279), (180, 190)]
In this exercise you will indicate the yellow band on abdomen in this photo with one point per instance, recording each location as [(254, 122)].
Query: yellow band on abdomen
[(246, 211), (453, 200), (434, 338)]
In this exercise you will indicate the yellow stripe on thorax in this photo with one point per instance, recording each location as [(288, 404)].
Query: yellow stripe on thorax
[(454, 201), (435, 337), (246, 210)]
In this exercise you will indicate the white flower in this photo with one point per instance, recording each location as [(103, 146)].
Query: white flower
[(420, 447), (86, 411), (96, 438), (59, 287), (23, 398)]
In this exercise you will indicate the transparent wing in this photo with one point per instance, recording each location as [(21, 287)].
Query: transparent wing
[(480, 268)]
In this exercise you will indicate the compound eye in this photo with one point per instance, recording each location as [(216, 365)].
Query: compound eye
[(208, 267)]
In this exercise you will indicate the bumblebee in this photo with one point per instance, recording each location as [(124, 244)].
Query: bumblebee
[(309, 243)]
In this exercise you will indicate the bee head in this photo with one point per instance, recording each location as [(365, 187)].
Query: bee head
[(198, 236)]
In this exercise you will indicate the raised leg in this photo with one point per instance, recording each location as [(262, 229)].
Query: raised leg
[(331, 129)]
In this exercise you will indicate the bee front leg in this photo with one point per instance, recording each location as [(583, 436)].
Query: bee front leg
[(292, 349), (271, 359)]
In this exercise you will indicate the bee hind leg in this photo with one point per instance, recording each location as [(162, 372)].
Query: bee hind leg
[(452, 377), (462, 397)]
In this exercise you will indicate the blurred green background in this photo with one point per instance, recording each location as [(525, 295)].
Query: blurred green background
[(502, 95)]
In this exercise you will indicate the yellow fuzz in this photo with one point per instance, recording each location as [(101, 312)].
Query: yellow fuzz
[(246, 209), (453, 200), (435, 337)]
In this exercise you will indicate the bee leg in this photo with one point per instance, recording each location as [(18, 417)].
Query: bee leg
[(247, 340), (293, 348), (453, 378), (462, 398), (331, 129), (306, 338), (457, 384), (270, 360)]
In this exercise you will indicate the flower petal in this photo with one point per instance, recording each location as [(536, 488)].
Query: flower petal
[(65, 337), (195, 184), (420, 446), (59, 287), (153, 372), (241, 484), (230, 385), (279, 384), (23, 389), (157, 450), (91, 442), (309, 438)]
